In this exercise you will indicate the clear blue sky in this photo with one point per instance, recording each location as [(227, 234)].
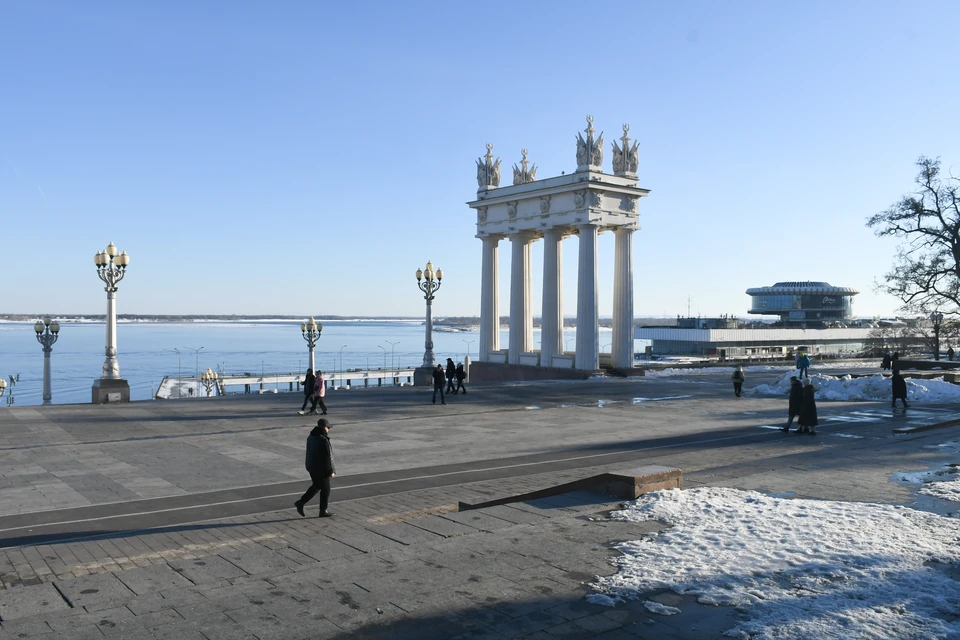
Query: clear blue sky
[(307, 157)]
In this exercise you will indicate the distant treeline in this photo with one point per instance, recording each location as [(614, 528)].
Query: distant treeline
[(454, 321)]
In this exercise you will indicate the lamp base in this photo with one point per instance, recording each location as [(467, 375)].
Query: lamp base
[(110, 390), (423, 376)]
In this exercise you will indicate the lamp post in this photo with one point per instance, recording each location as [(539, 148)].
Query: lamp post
[(208, 378), (196, 367), (311, 331), (428, 281), (111, 268), (179, 370), (469, 342), (340, 376), (384, 356), (937, 319), (47, 334), (3, 388), (392, 345)]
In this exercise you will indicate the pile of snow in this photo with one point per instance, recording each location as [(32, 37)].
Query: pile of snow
[(942, 482), (874, 387), (797, 568)]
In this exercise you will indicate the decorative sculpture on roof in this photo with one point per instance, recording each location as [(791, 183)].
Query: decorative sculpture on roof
[(524, 175), (488, 171), (625, 159), (589, 151)]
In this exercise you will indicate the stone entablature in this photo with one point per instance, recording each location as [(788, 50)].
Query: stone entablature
[(565, 201)]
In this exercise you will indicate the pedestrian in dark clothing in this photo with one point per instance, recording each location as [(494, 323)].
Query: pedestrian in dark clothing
[(320, 390), (807, 420), (451, 374), (894, 360), (802, 363), (899, 389), (461, 376), (438, 380), (737, 378), (796, 401), (885, 363), (320, 466), (308, 383), (949, 353)]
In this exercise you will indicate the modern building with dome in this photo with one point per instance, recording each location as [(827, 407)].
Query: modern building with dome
[(804, 304), (815, 318)]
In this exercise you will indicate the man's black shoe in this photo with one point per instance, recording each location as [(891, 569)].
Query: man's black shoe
[(325, 514), (299, 508)]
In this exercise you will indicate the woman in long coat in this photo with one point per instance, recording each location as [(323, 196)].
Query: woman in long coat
[(808, 410), (308, 389)]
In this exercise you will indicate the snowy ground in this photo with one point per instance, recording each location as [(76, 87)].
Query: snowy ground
[(797, 568), (874, 387)]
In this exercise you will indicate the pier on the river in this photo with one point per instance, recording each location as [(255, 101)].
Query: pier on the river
[(174, 387)]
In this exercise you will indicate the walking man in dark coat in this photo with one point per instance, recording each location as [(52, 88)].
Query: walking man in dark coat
[(899, 389), (807, 420), (796, 401), (438, 380), (885, 363), (738, 378), (320, 466), (451, 374), (461, 376), (308, 383)]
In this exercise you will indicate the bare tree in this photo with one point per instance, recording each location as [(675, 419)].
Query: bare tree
[(926, 270)]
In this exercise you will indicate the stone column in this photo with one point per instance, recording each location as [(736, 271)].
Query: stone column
[(622, 347), (521, 317), (551, 319), (588, 332), (490, 298)]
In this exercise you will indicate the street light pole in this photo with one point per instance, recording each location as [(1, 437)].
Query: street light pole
[(429, 283), (469, 342), (47, 334), (196, 370), (311, 331), (341, 365), (937, 318), (208, 378), (392, 345), (384, 356), (111, 268)]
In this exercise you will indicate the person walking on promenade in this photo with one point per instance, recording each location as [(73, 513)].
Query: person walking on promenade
[(796, 401), (438, 380), (885, 363), (320, 466), (319, 392), (461, 376), (894, 360), (451, 374), (737, 378), (807, 421), (949, 353), (899, 389), (803, 362), (308, 383)]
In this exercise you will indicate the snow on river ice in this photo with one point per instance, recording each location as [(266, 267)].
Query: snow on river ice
[(798, 568)]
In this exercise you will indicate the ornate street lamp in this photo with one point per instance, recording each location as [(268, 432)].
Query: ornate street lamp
[(428, 281), (111, 268), (209, 379), (3, 387), (47, 334), (311, 331), (937, 319)]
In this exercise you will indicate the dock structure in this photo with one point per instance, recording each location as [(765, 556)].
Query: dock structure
[(172, 387)]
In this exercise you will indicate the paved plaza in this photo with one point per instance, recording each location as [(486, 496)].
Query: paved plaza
[(174, 519)]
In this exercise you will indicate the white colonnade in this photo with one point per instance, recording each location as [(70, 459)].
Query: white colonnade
[(585, 202)]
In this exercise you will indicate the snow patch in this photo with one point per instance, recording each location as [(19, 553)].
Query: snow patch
[(798, 568)]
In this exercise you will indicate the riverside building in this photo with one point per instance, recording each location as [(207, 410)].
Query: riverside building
[(814, 317)]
